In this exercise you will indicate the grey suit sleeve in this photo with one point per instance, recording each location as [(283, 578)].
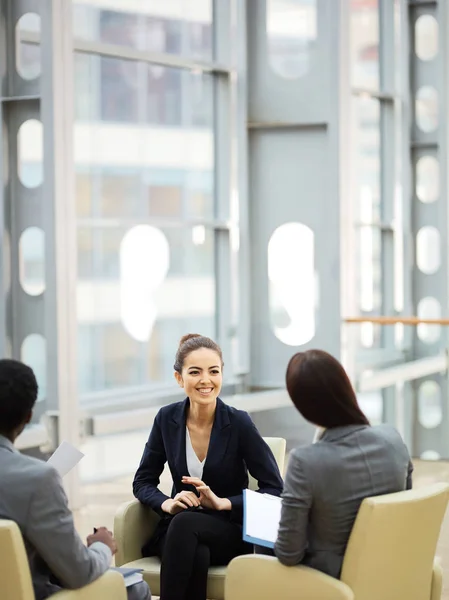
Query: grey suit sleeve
[(291, 543), (50, 529)]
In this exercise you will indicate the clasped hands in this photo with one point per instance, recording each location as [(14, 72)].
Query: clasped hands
[(186, 499)]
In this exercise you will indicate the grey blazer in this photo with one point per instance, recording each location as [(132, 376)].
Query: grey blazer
[(32, 495), (325, 484)]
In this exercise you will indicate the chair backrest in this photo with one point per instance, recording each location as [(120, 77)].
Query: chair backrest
[(392, 546), (277, 447), (15, 578)]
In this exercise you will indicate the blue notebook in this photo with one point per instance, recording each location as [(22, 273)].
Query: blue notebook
[(261, 516)]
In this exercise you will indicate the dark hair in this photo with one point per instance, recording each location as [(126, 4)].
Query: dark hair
[(18, 394), (320, 389), (191, 342)]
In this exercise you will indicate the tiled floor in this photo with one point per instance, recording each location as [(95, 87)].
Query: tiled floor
[(103, 499)]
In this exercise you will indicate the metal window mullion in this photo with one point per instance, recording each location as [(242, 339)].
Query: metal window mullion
[(60, 217), (387, 182), (239, 209), (222, 171), (387, 145), (407, 414), (99, 48), (387, 55)]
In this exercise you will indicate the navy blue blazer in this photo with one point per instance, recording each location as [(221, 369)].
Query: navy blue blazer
[(235, 448)]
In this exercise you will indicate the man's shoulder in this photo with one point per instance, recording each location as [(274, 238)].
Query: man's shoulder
[(28, 468)]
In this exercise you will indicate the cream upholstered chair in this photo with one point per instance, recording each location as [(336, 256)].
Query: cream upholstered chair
[(134, 524), (15, 577), (390, 556)]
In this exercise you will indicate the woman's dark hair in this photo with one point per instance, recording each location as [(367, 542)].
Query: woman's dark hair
[(320, 389), (18, 394), (191, 342)]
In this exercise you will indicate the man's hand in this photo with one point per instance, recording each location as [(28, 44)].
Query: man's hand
[(105, 536), (207, 497)]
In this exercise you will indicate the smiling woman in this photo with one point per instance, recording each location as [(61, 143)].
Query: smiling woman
[(210, 448)]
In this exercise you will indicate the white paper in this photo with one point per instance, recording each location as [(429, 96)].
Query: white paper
[(65, 458), (262, 516)]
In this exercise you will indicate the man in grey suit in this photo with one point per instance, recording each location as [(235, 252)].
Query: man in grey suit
[(32, 495)]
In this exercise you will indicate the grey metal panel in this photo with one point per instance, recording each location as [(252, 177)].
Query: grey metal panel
[(21, 313), (283, 191), (13, 84), (295, 147), (431, 143), (273, 98)]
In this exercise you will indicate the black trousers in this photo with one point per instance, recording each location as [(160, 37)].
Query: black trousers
[(195, 541)]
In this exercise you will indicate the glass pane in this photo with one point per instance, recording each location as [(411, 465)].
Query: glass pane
[(427, 108), (292, 298), (364, 35), (124, 270), (28, 59), (426, 37), (371, 404), (144, 143), (34, 354), (430, 412), (292, 33), (428, 253), (181, 27), (366, 160), (32, 261), (30, 153), (427, 179), (429, 308)]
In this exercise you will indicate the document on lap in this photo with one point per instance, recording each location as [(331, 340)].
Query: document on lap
[(65, 458), (131, 576), (261, 516)]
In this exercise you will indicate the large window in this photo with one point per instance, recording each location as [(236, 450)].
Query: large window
[(175, 27), (145, 183)]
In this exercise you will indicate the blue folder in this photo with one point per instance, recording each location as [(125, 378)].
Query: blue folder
[(249, 538)]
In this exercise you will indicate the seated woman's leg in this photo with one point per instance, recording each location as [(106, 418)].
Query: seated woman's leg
[(198, 580), (181, 560)]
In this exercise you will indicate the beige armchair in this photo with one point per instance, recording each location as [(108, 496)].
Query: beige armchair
[(15, 577), (390, 556), (134, 524)]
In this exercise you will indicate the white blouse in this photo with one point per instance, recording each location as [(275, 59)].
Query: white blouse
[(194, 464)]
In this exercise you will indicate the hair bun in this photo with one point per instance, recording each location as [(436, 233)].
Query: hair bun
[(187, 337)]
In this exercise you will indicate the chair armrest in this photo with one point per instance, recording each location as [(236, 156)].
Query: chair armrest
[(111, 585), (264, 578), (134, 524), (437, 581)]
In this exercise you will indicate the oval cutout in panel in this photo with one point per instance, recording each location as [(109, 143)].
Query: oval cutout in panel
[(28, 50), (144, 264), (426, 37), (32, 261), (291, 31), (429, 308), (430, 455), (30, 144), (426, 107), (428, 252), (292, 283), (430, 410), (34, 354), (428, 179)]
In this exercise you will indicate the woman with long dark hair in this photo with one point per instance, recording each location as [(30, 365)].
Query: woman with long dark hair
[(327, 481)]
